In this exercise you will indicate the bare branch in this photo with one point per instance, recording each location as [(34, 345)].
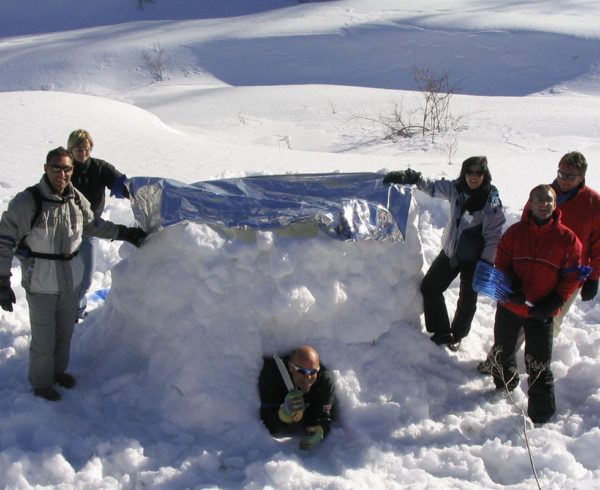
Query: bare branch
[(156, 61)]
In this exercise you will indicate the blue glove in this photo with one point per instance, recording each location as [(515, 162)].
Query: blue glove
[(119, 189), (313, 437)]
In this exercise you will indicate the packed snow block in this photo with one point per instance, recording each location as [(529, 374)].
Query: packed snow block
[(193, 311)]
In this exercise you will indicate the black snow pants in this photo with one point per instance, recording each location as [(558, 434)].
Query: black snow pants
[(538, 355), (438, 278)]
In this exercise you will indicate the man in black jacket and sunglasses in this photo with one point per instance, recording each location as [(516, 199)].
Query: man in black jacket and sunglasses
[(297, 395)]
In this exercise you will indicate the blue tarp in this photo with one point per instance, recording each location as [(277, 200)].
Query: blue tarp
[(348, 206)]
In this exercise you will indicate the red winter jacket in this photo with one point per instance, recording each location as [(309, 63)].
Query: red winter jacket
[(538, 256), (581, 214)]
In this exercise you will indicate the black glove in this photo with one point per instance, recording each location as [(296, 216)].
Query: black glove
[(517, 297), (133, 235), (589, 290), (408, 176), (545, 306), (7, 295)]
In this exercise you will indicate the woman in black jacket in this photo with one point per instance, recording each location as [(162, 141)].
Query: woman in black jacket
[(92, 176)]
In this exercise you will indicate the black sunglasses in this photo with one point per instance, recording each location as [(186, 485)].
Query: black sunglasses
[(57, 169), (478, 173)]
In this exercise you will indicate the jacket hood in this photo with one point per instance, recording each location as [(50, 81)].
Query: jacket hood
[(556, 218), (49, 193)]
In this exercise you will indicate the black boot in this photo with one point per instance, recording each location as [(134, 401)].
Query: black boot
[(49, 394), (442, 338), (65, 380)]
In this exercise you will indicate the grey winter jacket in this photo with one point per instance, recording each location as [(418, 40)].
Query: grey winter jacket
[(468, 237), (58, 230)]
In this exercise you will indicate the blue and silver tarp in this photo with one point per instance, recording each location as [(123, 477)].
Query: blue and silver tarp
[(348, 206)]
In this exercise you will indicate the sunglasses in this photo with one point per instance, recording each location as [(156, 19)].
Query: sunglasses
[(565, 176), (304, 371), (83, 149), (478, 173), (57, 169)]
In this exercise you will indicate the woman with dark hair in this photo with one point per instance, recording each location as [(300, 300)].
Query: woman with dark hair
[(472, 234)]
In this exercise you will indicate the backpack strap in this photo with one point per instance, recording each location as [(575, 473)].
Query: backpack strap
[(37, 197), (22, 249), (77, 200)]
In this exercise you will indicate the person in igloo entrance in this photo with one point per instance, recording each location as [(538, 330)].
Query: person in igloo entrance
[(297, 396)]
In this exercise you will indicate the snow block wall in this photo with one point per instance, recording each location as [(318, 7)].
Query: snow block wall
[(193, 311)]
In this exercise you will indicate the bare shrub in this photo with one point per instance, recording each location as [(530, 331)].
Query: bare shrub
[(451, 145), (399, 124), (432, 118), (437, 92), (156, 61)]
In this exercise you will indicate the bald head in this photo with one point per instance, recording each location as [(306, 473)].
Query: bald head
[(305, 354), (304, 367)]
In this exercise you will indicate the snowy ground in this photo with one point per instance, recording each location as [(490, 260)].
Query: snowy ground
[(167, 366)]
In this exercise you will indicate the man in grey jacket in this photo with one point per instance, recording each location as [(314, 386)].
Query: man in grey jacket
[(46, 223)]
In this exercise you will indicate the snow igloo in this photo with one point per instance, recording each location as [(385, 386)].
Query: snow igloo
[(191, 314)]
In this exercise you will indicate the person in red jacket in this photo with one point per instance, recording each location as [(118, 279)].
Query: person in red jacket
[(542, 256), (580, 208)]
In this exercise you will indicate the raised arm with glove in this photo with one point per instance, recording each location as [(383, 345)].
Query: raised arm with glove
[(132, 234), (408, 177), (292, 408)]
